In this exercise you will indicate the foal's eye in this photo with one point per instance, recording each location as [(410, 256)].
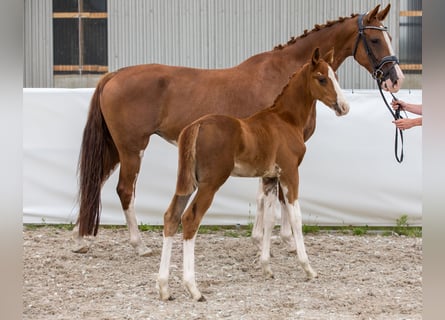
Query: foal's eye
[(322, 80)]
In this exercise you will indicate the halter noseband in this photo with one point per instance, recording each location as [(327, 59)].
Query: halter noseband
[(378, 73)]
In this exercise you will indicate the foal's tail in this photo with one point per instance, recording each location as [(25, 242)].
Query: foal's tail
[(98, 156), (187, 180)]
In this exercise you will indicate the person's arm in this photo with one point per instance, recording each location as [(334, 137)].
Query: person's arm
[(410, 107)]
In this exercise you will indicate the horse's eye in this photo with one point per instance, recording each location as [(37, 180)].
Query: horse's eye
[(375, 41)]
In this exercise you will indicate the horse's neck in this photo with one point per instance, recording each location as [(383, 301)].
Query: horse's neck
[(339, 36)]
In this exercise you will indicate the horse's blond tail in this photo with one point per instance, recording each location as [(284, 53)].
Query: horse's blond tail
[(187, 180)]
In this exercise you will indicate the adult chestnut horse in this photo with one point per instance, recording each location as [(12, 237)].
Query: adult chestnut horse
[(131, 104), (270, 144)]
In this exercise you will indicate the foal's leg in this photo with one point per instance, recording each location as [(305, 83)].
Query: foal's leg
[(190, 223), (130, 164), (286, 230), (172, 218), (258, 227), (271, 205), (294, 214)]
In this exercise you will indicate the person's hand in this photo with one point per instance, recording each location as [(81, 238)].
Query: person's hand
[(396, 104), (407, 123)]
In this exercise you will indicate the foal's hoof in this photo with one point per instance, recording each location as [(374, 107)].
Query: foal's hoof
[(169, 298), (145, 252), (202, 299), (81, 249), (311, 274)]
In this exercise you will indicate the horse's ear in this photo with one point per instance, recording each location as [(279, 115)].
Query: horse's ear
[(329, 56), (372, 14), (382, 14), (315, 56)]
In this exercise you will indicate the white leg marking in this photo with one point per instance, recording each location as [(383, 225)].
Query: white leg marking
[(80, 244), (341, 101), (135, 235), (257, 230), (286, 230), (189, 269), (295, 218), (271, 207), (164, 268)]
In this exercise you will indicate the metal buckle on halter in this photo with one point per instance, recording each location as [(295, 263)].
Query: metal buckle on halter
[(377, 74)]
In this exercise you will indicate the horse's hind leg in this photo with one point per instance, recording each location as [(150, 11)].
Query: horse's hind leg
[(130, 164)]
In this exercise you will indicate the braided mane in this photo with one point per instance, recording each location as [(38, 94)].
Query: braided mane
[(316, 28)]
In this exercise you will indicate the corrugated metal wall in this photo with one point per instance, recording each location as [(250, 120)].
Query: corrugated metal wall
[(38, 53), (201, 33), (223, 33)]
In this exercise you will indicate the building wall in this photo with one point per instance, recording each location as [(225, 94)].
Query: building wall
[(38, 53), (201, 33)]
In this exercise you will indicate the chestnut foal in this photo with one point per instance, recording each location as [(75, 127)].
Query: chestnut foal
[(269, 144)]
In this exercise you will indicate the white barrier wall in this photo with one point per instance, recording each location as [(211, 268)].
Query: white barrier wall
[(349, 175)]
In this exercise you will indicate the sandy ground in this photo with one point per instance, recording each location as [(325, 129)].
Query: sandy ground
[(359, 277)]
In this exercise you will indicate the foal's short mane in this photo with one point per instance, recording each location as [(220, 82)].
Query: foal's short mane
[(287, 85), (316, 28)]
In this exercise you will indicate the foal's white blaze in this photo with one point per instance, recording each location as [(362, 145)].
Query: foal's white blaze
[(341, 101), (387, 84)]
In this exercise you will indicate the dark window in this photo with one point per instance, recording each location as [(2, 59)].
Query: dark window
[(94, 6), (80, 36), (65, 5)]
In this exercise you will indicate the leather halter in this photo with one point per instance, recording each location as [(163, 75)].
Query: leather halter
[(378, 73)]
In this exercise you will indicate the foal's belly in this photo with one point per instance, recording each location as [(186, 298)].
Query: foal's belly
[(243, 169)]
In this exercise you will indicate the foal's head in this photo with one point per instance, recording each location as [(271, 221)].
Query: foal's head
[(323, 83)]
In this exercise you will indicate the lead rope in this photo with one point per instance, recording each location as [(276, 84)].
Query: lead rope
[(396, 115)]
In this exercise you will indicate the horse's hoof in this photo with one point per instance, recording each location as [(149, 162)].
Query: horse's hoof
[(201, 299), (82, 249)]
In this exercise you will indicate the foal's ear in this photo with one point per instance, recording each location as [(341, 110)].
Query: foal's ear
[(382, 14), (329, 57), (315, 56), (372, 14)]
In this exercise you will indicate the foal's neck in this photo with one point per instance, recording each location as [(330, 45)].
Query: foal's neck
[(295, 102)]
